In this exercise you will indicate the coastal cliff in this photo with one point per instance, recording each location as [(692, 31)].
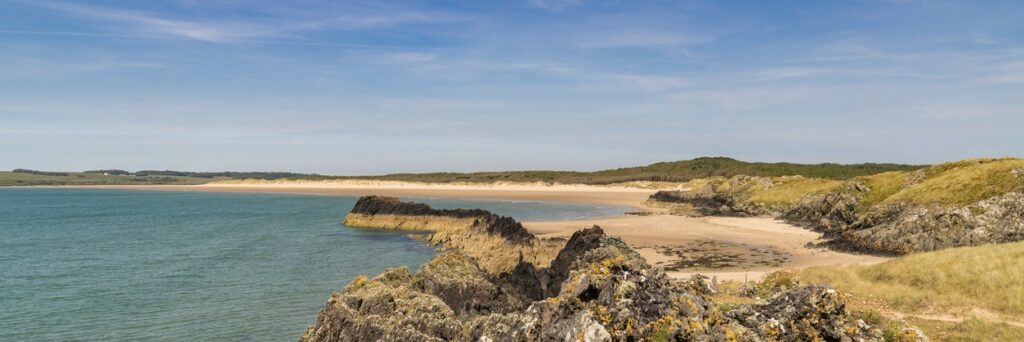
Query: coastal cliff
[(964, 203), (595, 288)]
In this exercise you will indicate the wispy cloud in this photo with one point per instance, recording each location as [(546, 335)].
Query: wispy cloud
[(653, 83), (151, 24), (147, 25), (610, 39), (369, 21), (556, 5)]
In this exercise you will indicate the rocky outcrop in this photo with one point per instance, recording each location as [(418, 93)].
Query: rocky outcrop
[(722, 197), (903, 228), (961, 204), (377, 211), (497, 243), (595, 289)]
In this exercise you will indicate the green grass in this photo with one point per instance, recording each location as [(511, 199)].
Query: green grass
[(950, 184), (955, 280), (677, 171), (80, 178), (792, 190), (965, 182), (882, 186)]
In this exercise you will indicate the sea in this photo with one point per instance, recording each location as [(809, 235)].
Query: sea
[(137, 265)]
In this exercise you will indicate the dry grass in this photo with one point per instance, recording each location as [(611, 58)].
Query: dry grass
[(956, 280), (965, 182), (882, 186), (974, 329), (959, 282), (790, 190), (950, 184)]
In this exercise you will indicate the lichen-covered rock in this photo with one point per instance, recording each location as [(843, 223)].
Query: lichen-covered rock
[(596, 289), (496, 243), (830, 213), (724, 197), (384, 308), (903, 228), (866, 214)]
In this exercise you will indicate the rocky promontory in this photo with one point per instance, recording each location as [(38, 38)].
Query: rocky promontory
[(474, 232), (964, 203), (595, 288)]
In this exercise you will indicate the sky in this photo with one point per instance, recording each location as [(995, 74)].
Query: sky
[(348, 88)]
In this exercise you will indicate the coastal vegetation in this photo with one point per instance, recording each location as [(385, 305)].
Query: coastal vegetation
[(966, 294), (676, 171), (21, 178), (963, 203), (952, 281), (24, 177)]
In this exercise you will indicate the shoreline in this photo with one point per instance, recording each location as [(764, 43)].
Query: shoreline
[(632, 198), (747, 248)]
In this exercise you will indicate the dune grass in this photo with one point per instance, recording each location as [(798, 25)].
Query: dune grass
[(950, 184), (974, 329), (882, 186), (965, 182), (792, 189), (956, 280)]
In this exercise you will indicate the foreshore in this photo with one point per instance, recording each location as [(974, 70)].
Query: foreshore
[(728, 248), (617, 196)]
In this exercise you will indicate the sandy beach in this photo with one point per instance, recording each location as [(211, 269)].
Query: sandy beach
[(629, 197), (729, 248)]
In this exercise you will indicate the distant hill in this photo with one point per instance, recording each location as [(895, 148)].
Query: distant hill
[(23, 177), (677, 171)]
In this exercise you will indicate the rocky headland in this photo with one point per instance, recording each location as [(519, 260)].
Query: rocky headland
[(964, 203), (473, 232), (593, 288)]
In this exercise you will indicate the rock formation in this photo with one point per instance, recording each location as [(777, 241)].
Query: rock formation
[(966, 203), (595, 289), (477, 233)]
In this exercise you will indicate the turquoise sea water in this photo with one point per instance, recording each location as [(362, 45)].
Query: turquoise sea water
[(101, 265)]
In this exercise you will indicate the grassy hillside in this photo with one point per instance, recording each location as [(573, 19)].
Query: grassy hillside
[(955, 183), (677, 171), (82, 178)]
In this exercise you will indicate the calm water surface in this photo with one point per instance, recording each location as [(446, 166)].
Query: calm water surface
[(99, 265)]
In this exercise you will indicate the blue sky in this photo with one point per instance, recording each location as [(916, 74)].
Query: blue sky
[(341, 87)]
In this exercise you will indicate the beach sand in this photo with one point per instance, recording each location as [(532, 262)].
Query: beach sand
[(728, 248), (616, 196)]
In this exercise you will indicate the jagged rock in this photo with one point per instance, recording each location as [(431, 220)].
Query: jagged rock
[(903, 228), (830, 213), (596, 289), (503, 226), (726, 199), (496, 243), (852, 222)]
